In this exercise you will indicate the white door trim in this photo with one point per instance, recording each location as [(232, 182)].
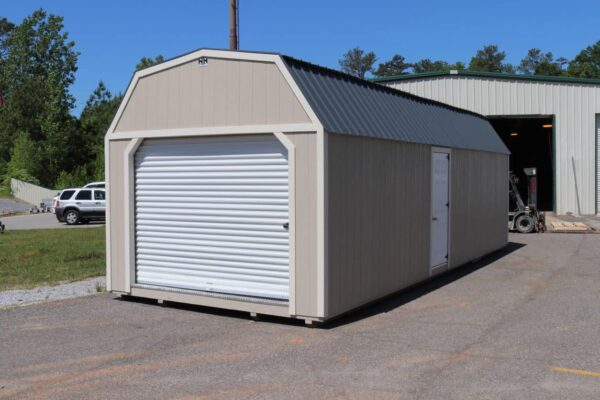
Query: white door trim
[(129, 211), (291, 149), (435, 269)]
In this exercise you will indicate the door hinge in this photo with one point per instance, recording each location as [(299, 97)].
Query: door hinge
[(446, 256), (448, 204)]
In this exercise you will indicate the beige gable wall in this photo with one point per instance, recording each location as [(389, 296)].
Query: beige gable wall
[(222, 93)]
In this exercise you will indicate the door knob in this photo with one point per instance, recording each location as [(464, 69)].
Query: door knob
[(434, 219)]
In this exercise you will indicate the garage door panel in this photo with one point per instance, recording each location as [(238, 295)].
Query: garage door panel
[(220, 238), (243, 288), (265, 230), (210, 215), (245, 196), (186, 253), (245, 265), (160, 237)]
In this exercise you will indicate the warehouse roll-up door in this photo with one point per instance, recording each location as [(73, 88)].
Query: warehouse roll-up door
[(212, 214)]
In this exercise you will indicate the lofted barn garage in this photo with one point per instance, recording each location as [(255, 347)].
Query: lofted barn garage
[(261, 183)]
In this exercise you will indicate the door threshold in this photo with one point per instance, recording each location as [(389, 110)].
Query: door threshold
[(438, 269)]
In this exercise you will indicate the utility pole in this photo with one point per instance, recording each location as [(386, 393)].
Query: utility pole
[(234, 41)]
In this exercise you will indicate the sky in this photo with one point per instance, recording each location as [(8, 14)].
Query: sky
[(112, 36)]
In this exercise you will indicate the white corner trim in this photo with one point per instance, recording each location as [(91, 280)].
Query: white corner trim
[(129, 211), (217, 130), (322, 303), (299, 95), (107, 217), (291, 149)]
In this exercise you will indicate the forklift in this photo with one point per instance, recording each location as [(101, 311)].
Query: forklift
[(525, 218)]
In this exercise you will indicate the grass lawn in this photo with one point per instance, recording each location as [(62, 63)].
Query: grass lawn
[(50, 256), (5, 193)]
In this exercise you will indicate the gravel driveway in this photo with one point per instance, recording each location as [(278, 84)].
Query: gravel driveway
[(51, 293), (523, 324)]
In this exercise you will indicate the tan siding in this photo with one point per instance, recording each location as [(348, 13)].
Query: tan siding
[(223, 93), (378, 221), (478, 204), (116, 198), (306, 222)]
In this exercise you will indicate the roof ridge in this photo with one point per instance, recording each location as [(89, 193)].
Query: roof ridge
[(484, 74)]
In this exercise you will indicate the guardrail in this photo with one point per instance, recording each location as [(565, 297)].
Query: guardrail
[(30, 193)]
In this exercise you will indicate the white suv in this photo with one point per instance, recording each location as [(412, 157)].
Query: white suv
[(99, 185), (81, 205)]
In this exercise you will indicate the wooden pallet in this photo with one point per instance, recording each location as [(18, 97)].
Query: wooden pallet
[(563, 226)]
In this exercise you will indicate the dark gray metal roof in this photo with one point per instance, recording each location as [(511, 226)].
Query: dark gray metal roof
[(348, 105)]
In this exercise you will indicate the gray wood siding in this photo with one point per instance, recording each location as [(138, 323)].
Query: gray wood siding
[(478, 204), (378, 219), (306, 222), (222, 93), (116, 198)]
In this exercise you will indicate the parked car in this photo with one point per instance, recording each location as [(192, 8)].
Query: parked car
[(101, 185), (55, 199), (81, 205)]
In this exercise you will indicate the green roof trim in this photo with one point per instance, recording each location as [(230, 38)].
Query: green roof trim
[(491, 75)]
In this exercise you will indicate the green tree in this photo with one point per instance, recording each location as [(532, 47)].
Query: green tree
[(587, 63), (76, 178), (38, 67), (490, 59), (538, 63), (98, 113), (24, 160), (147, 62), (5, 28), (396, 66), (426, 65), (358, 63), (95, 120)]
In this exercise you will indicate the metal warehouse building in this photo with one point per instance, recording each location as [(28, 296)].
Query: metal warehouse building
[(257, 182), (552, 123)]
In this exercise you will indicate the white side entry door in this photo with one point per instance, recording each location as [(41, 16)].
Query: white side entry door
[(440, 165)]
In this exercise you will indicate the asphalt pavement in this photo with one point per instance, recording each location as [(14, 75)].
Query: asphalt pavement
[(522, 324), (40, 221)]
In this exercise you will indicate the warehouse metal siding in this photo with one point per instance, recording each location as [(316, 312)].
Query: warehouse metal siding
[(351, 106), (573, 105)]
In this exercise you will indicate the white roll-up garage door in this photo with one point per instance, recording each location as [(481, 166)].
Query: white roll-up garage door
[(212, 214)]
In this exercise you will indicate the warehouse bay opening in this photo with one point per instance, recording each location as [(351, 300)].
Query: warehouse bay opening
[(531, 143)]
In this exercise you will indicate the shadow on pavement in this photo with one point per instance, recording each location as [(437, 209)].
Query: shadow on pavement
[(421, 289), (383, 305)]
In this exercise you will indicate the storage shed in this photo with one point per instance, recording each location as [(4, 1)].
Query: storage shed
[(261, 183)]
